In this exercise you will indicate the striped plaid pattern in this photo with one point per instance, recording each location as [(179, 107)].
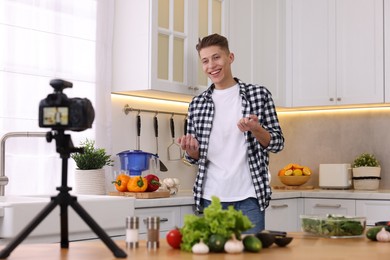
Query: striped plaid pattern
[(255, 100)]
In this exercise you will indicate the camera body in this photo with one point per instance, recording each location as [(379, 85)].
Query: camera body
[(59, 112)]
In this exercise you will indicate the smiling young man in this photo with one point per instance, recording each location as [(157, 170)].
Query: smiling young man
[(232, 127)]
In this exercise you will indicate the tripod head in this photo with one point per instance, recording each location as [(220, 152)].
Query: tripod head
[(64, 144)]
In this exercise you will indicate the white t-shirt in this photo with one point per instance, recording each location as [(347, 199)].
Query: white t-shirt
[(228, 176)]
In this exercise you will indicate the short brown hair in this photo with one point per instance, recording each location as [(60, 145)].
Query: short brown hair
[(213, 40)]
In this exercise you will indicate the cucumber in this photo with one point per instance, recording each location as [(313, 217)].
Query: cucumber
[(371, 233), (252, 244), (216, 243)]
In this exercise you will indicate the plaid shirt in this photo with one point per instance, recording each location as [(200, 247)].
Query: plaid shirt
[(255, 100)]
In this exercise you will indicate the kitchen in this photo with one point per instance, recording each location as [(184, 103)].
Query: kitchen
[(312, 137)]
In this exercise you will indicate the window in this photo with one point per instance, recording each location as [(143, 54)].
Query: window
[(42, 40)]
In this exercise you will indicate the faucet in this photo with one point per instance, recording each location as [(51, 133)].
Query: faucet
[(3, 178)]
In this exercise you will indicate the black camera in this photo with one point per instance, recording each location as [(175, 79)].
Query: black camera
[(62, 113)]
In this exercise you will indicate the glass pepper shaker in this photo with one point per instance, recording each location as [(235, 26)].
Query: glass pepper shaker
[(132, 231)]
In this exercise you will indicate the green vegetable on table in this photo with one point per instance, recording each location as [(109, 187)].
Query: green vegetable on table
[(333, 226), (215, 220)]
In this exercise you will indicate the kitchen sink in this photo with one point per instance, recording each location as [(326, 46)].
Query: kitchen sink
[(110, 212)]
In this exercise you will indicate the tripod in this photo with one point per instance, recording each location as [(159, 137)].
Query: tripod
[(64, 147)]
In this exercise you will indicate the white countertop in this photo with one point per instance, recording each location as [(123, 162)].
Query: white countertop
[(186, 198)]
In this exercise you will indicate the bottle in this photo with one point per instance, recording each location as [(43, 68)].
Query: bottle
[(153, 227), (132, 231)]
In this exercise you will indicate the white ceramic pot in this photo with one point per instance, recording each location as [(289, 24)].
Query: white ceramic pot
[(90, 182), (366, 172)]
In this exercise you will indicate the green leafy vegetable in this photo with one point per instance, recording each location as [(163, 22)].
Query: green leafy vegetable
[(215, 220), (333, 226)]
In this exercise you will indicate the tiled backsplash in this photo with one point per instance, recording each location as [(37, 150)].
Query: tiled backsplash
[(334, 136)]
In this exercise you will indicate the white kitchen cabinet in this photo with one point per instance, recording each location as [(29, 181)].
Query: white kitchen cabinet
[(387, 49), (329, 206), (283, 215), (337, 49), (185, 210), (373, 210), (310, 52), (256, 33), (154, 45), (170, 217)]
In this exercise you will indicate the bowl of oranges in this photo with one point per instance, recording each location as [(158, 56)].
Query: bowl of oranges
[(294, 174)]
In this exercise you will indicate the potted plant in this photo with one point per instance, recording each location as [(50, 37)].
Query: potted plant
[(90, 175), (366, 172)]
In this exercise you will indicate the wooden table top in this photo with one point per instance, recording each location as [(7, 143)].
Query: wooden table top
[(302, 247)]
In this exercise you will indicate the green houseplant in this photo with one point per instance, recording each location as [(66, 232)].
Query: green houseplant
[(90, 175), (365, 160), (366, 172), (92, 158)]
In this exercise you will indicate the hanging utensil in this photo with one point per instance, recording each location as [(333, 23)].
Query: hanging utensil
[(174, 149), (138, 124), (162, 166), (134, 157), (185, 125), (183, 158)]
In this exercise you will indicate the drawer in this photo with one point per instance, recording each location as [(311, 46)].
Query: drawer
[(169, 217), (330, 206)]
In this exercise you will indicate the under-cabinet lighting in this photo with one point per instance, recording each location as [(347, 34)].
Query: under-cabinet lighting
[(280, 110), (340, 109), (151, 99)]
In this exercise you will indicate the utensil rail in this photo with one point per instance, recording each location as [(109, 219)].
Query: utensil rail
[(127, 109)]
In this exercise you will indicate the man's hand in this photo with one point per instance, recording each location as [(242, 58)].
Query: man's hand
[(189, 144), (250, 123)]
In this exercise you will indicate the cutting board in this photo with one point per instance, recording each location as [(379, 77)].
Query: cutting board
[(142, 195)]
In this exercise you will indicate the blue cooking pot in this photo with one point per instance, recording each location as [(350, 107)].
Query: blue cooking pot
[(135, 161)]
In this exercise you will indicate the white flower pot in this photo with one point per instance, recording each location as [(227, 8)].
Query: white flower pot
[(90, 182), (366, 172)]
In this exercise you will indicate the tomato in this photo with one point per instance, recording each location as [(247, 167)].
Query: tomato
[(174, 238)]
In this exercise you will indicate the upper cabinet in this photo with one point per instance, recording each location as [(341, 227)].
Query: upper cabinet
[(154, 46), (337, 52), (387, 50), (311, 52)]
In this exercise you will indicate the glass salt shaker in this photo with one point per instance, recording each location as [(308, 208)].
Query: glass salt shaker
[(132, 230), (153, 227)]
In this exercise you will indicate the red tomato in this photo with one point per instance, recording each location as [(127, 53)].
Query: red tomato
[(174, 238)]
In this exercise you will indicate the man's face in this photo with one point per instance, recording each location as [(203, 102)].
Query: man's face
[(216, 64)]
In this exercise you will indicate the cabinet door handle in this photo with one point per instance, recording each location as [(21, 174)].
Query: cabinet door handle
[(331, 99), (339, 99), (279, 206), (161, 220), (328, 205)]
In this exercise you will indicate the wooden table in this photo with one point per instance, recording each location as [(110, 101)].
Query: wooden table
[(302, 247)]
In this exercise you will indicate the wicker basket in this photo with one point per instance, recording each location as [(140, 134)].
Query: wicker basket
[(366, 184)]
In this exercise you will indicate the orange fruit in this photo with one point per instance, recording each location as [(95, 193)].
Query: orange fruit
[(289, 172), (288, 166), (297, 166), (281, 172), (297, 172), (306, 171)]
